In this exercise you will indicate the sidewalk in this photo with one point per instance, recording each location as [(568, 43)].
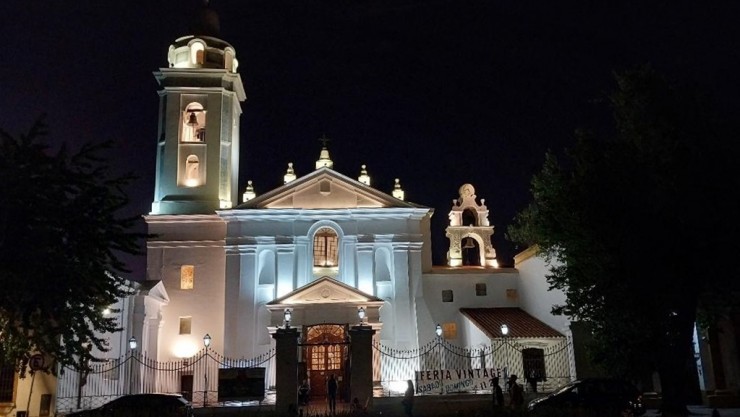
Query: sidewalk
[(700, 410)]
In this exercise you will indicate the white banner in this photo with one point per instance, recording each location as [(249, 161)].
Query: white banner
[(456, 380)]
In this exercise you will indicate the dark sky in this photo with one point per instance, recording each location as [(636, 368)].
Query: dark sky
[(437, 93)]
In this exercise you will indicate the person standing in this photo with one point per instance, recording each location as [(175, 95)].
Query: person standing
[(331, 392), (497, 393), (303, 391), (408, 398), (516, 392)]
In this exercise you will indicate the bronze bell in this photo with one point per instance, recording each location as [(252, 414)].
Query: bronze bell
[(192, 120), (469, 243)]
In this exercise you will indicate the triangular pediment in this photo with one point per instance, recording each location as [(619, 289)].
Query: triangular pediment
[(154, 289), (323, 291), (324, 188)]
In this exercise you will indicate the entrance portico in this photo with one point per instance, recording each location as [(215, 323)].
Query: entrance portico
[(322, 301), (324, 311)]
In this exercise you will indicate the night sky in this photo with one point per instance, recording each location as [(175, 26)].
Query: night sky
[(436, 93)]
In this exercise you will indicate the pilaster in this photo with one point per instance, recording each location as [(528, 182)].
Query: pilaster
[(286, 370), (361, 359)]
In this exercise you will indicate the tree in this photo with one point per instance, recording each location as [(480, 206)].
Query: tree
[(60, 237), (634, 221)]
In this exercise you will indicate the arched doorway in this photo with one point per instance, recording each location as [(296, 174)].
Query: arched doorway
[(325, 351)]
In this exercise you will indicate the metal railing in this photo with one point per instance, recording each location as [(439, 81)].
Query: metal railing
[(504, 356), (195, 378)]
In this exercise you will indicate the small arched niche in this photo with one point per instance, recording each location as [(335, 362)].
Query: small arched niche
[(192, 171)]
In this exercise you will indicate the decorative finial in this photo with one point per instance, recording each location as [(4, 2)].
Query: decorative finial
[(398, 191), (324, 159), (364, 178), (249, 192), (289, 174)]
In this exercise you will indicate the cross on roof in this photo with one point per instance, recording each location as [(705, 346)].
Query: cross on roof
[(324, 140)]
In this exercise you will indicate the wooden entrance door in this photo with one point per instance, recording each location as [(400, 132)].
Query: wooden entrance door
[(326, 354)]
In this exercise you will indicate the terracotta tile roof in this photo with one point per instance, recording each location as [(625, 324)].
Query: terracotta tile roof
[(521, 324)]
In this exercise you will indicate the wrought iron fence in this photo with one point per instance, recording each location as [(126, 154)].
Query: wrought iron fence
[(505, 356), (196, 378)]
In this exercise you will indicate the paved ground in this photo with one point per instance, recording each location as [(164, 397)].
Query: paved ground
[(703, 411), (441, 405)]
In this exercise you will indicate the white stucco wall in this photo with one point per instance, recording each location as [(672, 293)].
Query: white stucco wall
[(197, 241), (535, 295), (42, 384), (431, 310)]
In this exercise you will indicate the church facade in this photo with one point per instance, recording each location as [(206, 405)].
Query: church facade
[(322, 247), (322, 253)]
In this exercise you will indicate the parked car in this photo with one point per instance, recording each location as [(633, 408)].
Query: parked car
[(141, 405), (594, 394)]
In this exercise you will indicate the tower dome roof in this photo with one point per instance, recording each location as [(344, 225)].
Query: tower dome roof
[(203, 48), (205, 21)]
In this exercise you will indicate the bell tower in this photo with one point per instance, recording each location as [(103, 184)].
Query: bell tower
[(198, 136)]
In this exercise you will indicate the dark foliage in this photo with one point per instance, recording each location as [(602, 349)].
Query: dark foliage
[(60, 237), (633, 222)]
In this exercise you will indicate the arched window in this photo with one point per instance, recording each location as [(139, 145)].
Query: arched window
[(229, 60), (325, 248), (197, 52)]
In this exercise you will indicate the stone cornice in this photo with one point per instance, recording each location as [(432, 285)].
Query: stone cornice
[(185, 244), (182, 218), (287, 215), (526, 254)]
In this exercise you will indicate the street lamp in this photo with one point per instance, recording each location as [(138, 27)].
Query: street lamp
[(361, 315), (287, 315), (132, 346), (504, 333), (207, 343), (438, 331)]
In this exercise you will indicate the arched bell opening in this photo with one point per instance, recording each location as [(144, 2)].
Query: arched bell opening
[(470, 252), (469, 217)]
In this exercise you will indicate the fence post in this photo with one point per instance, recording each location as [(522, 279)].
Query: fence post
[(361, 364), (286, 369)]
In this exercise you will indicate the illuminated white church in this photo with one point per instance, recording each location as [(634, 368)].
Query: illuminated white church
[(322, 246)]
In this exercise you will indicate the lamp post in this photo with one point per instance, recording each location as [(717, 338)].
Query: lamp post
[(207, 343), (438, 332), (504, 333), (287, 315), (361, 315), (132, 344)]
